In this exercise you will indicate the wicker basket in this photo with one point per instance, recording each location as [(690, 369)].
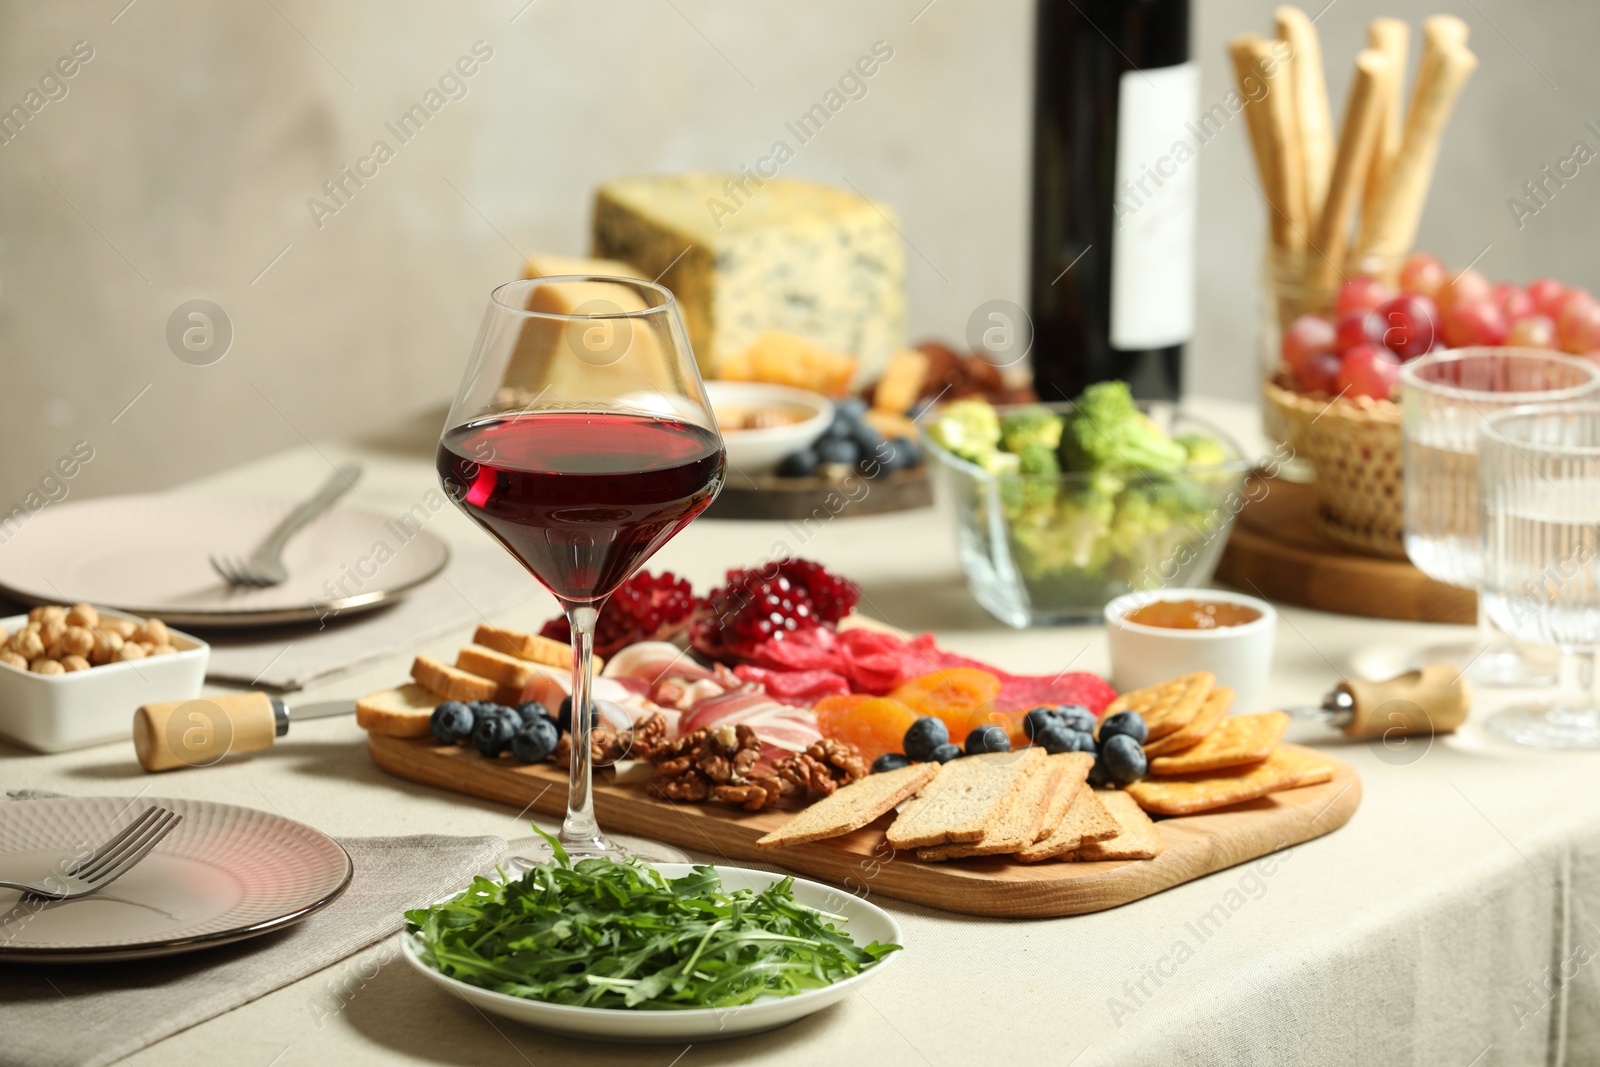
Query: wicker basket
[(1354, 448)]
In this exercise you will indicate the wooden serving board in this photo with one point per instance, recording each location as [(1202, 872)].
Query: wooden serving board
[(863, 862), (766, 496), (1276, 552)]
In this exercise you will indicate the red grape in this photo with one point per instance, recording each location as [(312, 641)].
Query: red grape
[(1411, 325), (1468, 287), (1422, 273), (1358, 328), (1305, 337), (1579, 325), (1483, 323), (1547, 295), (1533, 331), (1361, 294), (1367, 371), (1516, 303), (1319, 373)]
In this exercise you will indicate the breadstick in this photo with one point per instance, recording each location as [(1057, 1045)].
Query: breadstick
[(1405, 187), (1358, 139), (1289, 219), (1255, 111), (1391, 37), (1313, 123)]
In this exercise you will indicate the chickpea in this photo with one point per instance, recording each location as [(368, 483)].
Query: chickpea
[(77, 641), (47, 666), (12, 659), (83, 615), (50, 632), (153, 632), (27, 644), (106, 646), (48, 611), (163, 650), (74, 663), (131, 650), (123, 628)]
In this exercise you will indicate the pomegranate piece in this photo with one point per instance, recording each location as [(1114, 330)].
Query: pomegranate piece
[(646, 607), (755, 607)]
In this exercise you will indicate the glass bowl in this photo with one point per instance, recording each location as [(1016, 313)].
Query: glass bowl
[(1044, 549)]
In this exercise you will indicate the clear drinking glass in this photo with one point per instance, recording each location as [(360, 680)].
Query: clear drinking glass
[(1540, 476), (581, 439), (1446, 397)]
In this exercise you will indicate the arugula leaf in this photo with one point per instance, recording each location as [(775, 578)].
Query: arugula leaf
[(603, 934)]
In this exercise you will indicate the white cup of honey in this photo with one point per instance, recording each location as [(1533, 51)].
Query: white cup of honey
[(1159, 635)]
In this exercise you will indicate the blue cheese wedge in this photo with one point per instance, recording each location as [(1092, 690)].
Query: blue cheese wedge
[(745, 255)]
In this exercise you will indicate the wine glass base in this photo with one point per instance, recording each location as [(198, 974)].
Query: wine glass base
[(530, 852), (1502, 666), (1548, 726)]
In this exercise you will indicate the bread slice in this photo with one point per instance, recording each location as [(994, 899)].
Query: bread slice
[(508, 672), (451, 683), (1086, 819), (1017, 827), (1137, 837), (531, 647), (852, 807), (967, 797), (402, 712)]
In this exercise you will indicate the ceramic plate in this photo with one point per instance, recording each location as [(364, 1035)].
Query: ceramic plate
[(864, 922), (223, 874), (149, 555)]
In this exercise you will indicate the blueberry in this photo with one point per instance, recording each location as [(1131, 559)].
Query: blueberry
[(451, 722), (925, 735), (907, 452), (889, 761), (839, 429), (1077, 716), (839, 450), (801, 464), (1123, 759), (564, 716), (536, 741), (1035, 721), (853, 408), (1083, 741), (531, 711), (1055, 738), (1130, 723), (945, 753), (492, 734), (868, 439), (480, 706), (1099, 777), (987, 739)]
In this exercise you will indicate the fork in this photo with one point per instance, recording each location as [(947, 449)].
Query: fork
[(265, 566), (107, 863)]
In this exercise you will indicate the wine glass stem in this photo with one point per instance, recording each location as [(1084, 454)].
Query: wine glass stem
[(1579, 684), (580, 831)]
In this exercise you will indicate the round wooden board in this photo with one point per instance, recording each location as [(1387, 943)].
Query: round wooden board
[(766, 496), (1276, 552)]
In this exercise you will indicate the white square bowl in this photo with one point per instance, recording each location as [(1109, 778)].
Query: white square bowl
[(55, 712)]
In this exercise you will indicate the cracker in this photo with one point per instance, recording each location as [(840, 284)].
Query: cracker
[(852, 807), (1020, 824), (1212, 711), (1086, 819), (1191, 793), (1137, 837), (1236, 742), (1167, 707), (966, 798)]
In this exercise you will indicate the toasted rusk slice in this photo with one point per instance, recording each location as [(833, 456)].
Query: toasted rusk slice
[(1086, 819), (967, 797), (1137, 837), (851, 807)]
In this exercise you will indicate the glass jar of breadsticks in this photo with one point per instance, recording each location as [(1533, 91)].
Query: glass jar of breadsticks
[(1343, 204)]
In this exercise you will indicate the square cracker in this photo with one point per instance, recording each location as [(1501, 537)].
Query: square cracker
[(1086, 819), (852, 807), (1236, 742), (966, 798), (1137, 837), (1019, 825), (1191, 793), (1075, 770), (1167, 707), (1212, 711)]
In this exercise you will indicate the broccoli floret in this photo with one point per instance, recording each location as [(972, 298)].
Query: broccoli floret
[(1202, 451), (1037, 457), (1072, 535), (1106, 431), (1030, 426), (969, 429), (1155, 519)]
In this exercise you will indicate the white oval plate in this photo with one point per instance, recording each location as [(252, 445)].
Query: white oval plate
[(865, 923), (148, 555), (223, 874)]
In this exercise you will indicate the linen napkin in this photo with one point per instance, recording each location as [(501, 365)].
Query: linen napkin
[(87, 1016), (479, 580)]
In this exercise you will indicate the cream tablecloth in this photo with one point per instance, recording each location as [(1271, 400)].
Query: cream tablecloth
[(1452, 922)]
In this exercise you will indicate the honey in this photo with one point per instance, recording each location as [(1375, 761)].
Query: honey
[(1193, 614)]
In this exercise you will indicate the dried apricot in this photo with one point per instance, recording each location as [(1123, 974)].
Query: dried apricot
[(874, 725), (951, 694)]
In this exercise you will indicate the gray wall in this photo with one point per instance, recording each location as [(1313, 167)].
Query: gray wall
[(179, 162)]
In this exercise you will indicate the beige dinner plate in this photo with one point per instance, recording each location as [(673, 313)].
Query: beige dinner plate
[(223, 874), (149, 555)]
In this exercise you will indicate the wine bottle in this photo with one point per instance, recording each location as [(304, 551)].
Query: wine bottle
[(1111, 288)]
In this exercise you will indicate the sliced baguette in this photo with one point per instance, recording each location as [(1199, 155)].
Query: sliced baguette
[(451, 683), (852, 807), (964, 800), (1017, 827), (1085, 819), (508, 672), (1137, 837), (402, 712), (531, 647)]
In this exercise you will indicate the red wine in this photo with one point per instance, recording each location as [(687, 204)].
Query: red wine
[(1111, 287), (581, 498)]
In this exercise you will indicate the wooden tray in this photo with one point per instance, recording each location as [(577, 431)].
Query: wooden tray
[(863, 862), (766, 496), (1276, 553)]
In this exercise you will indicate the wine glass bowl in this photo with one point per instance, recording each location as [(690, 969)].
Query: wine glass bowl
[(581, 439)]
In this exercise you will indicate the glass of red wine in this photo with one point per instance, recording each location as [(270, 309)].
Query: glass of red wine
[(581, 439)]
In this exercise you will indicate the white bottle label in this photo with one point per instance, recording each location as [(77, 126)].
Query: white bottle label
[(1153, 208)]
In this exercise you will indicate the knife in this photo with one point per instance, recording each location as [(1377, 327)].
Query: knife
[(199, 732)]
